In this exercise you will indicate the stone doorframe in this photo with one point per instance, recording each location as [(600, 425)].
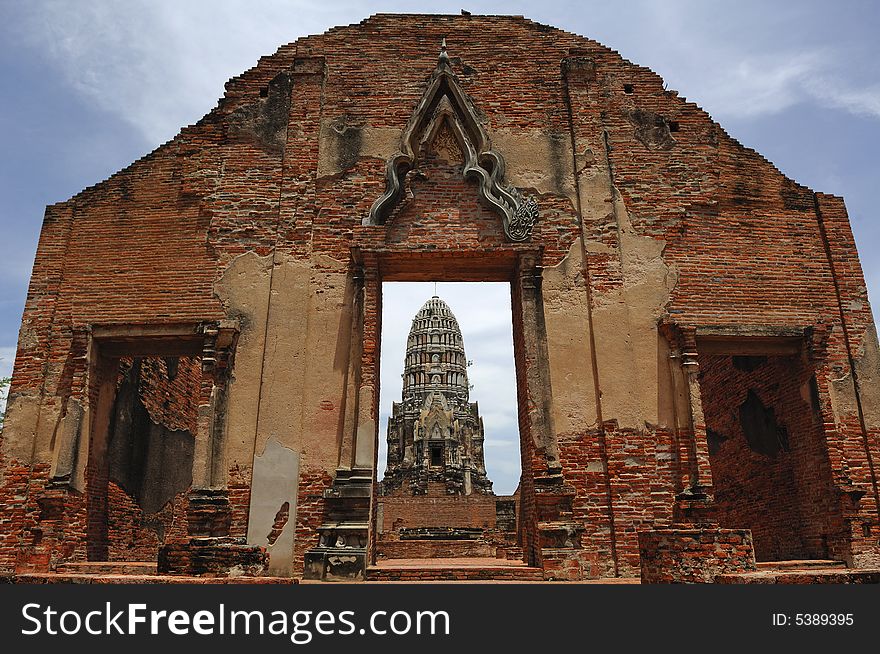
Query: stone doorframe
[(215, 344), (347, 535)]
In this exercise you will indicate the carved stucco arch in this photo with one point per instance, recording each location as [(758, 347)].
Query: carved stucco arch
[(445, 102)]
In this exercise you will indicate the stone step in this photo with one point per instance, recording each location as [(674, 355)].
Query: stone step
[(804, 576), (433, 549), (465, 569), (108, 568), (455, 574), (801, 564), (512, 553), (73, 578)]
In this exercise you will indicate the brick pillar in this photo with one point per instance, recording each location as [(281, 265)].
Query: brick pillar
[(97, 470), (209, 513), (536, 363), (551, 535), (694, 503), (342, 550), (846, 377), (852, 540), (693, 549), (353, 381)]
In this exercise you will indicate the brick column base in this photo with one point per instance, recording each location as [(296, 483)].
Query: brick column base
[(694, 555), (209, 513)]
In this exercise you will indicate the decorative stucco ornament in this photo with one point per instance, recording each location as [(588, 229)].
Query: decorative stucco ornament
[(445, 103)]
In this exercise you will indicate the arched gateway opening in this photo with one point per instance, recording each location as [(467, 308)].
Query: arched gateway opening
[(529, 346), (684, 407), (353, 506)]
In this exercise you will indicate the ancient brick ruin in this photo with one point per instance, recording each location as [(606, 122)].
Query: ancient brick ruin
[(435, 434), (196, 384)]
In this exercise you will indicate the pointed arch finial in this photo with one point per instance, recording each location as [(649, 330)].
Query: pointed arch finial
[(444, 101), (443, 62)]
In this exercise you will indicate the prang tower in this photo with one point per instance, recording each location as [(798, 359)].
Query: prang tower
[(435, 434)]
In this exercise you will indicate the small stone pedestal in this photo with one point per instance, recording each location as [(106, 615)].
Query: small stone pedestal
[(341, 554), (332, 563)]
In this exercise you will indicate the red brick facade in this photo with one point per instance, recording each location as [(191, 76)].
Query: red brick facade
[(663, 248)]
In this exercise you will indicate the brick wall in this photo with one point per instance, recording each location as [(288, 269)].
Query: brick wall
[(147, 245), (780, 488), (694, 556), (309, 513), (450, 511), (137, 490), (136, 536)]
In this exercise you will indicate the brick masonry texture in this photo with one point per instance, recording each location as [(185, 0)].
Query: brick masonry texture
[(453, 511), (782, 496), (664, 250), (678, 556)]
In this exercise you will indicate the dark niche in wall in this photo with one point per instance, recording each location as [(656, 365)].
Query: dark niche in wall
[(763, 433), (150, 461)]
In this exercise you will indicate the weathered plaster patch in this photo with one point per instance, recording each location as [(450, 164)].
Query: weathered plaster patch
[(265, 120), (868, 371), (67, 437), (326, 348), (28, 337), (275, 482), (843, 397), (536, 159), (343, 140), (625, 320), (567, 320), (19, 428), (243, 290), (366, 429)]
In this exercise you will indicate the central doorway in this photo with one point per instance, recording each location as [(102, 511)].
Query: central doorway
[(484, 315), (448, 464)]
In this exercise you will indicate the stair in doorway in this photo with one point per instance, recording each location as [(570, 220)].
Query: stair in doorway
[(457, 569)]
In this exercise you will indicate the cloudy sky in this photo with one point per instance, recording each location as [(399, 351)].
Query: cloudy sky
[(87, 87)]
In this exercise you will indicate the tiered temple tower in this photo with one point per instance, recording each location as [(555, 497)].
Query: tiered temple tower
[(435, 434)]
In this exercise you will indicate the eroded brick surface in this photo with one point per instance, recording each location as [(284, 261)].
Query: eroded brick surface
[(659, 238)]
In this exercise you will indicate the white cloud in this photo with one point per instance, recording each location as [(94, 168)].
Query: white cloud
[(7, 359), (738, 62), (763, 85), (754, 86), (830, 92), (161, 64)]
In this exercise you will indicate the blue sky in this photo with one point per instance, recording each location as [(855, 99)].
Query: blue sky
[(88, 87)]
